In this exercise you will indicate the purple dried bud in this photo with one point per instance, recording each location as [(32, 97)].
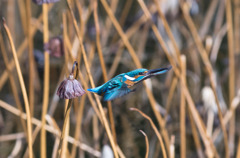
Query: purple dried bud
[(70, 88), (40, 2), (55, 47)]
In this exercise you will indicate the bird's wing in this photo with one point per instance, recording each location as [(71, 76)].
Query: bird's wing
[(116, 93), (116, 88)]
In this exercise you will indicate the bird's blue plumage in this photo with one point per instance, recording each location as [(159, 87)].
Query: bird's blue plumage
[(121, 84)]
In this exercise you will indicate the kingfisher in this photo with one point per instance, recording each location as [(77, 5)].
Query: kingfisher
[(123, 83)]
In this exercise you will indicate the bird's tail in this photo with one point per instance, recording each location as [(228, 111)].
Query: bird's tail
[(94, 90)]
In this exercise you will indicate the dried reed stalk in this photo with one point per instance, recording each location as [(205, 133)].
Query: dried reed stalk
[(23, 88), (46, 80), (208, 66), (30, 57), (105, 123), (231, 81), (103, 66), (147, 143), (182, 109), (155, 130)]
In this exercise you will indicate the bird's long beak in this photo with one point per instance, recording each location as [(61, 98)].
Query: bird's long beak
[(159, 71)]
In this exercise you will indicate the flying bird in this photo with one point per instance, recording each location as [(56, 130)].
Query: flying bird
[(123, 83)]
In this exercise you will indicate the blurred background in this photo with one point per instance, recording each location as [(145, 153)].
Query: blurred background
[(194, 106)]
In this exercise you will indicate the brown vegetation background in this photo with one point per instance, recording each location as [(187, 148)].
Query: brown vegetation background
[(191, 111)]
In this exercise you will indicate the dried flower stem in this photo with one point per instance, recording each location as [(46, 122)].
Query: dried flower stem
[(155, 130), (147, 143), (46, 80), (66, 118), (23, 88)]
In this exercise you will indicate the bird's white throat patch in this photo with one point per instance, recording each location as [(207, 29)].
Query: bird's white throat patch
[(129, 78)]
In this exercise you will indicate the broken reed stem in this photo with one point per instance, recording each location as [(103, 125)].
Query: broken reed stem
[(46, 80), (103, 66), (147, 143), (208, 66), (105, 123), (49, 128), (138, 65), (23, 88), (182, 109), (155, 130), (12, 82), (231, 80)]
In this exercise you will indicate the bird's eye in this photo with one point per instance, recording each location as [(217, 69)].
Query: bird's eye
[(140, 73)]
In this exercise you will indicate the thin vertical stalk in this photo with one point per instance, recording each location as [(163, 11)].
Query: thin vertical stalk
[(105, 123), (231, 74), (30, 57), (46, 80), (182, 109), (20, 77), (104, 71)]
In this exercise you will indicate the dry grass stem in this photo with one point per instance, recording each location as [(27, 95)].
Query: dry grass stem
[(23, 88), (155, 130)]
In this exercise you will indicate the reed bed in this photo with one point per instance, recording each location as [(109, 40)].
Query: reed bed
[(191, 111)]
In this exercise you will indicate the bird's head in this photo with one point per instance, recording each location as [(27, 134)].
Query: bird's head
[(138, 75)]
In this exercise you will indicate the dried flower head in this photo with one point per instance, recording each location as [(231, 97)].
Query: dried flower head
[(40, 2), (70, 87), (55, 47)]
